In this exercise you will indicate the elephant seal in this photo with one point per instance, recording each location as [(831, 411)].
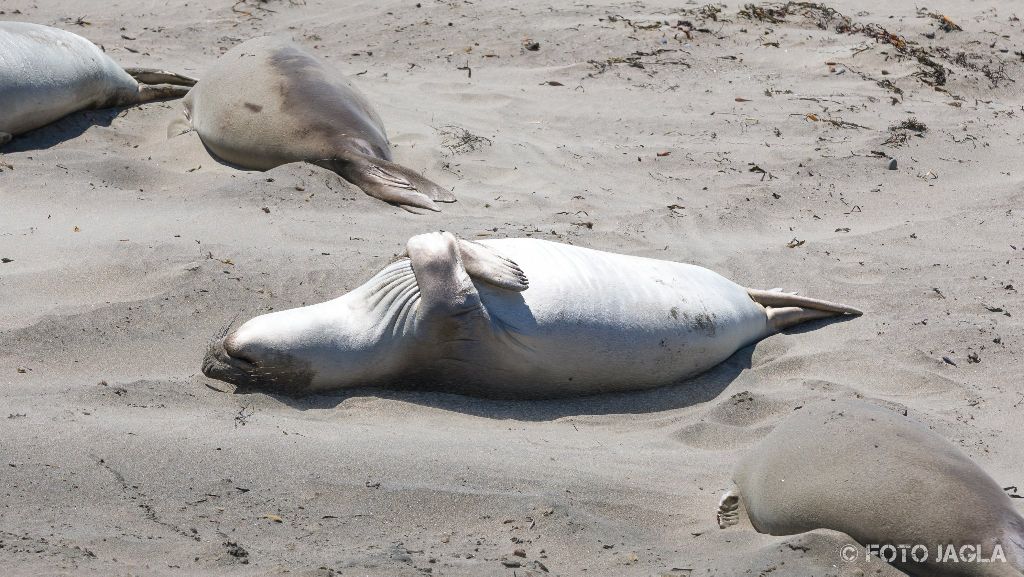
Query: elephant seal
[(883, 479), (47, 73), (266, 102), (511, 318)]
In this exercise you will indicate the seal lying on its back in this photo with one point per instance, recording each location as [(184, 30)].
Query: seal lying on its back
[(267, 102), (47, 73), (882, 479), (461, 316)]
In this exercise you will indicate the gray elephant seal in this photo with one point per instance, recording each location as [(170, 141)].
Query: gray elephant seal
[(881, 478), (462, 317), (267, 102), (47, 73)]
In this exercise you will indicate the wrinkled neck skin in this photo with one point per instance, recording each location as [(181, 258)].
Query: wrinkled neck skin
[(380, 331), (364, 338)]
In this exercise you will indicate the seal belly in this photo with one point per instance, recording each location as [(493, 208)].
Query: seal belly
[(595, 321)]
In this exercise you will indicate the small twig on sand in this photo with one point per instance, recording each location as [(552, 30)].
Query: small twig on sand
[(242, 418)]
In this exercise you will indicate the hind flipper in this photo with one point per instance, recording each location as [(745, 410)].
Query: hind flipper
[(5, 137), (729, 509), (780, 318), (155, 76), (485, 264), (785, 310), (788, 309), (149, 93), (388, 181), (776, 298)]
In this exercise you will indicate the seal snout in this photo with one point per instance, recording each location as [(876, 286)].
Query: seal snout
[(251, 364), (221, 365)]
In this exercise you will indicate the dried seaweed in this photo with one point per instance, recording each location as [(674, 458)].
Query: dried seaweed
[(995, 72), (899, 134), (764, 13), (710, 11), (458, 140), (932, 72), (635, 60), (946, 23)]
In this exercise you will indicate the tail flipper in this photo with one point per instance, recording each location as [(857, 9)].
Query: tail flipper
[(154, 76), (148, 93), (786, 310), (388, 181)]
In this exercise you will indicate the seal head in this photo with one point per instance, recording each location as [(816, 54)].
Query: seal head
[(359, 339), (262, 363)]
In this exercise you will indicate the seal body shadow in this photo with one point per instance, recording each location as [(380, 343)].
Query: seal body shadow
[(47, 73), (267, 102)]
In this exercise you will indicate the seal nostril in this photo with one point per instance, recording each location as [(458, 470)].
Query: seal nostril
[(231, 350), (238, 356), (243, 358)]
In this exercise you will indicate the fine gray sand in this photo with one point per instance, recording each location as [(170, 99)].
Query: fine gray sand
[(753, 144)]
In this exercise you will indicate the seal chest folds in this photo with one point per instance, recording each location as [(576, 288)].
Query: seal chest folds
[(267, 102), (514, 318)]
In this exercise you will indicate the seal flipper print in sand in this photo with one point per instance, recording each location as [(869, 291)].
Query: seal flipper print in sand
[(881, 478), (462, 317), (47, 73), (266, 102)]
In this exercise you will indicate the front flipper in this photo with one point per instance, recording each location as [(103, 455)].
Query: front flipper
[(729, 509), (183, 122), (5, 138), (388, 181), (485, 264), (445, 286), (451, 320), (155, 76)]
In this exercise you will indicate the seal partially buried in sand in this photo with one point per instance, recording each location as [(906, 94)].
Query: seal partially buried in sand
[(267, 102), (47, 73), (882, 479), (462, 317)]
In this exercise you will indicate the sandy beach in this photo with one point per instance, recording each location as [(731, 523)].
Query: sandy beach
[(756, 143)]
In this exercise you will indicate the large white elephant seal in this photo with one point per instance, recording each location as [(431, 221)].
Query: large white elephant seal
[(462, 317), (267, 102), (47, 73), (890, 483)]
